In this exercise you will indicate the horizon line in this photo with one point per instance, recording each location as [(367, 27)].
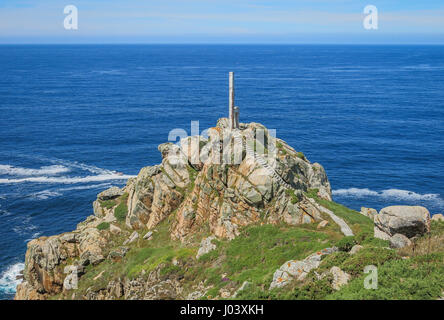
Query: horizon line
[(229, 43)]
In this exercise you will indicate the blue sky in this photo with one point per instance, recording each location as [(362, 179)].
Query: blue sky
[(216, 21)]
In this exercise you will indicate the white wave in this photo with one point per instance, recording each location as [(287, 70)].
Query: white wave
[(19, 171), (79, 165), (423, 67), (45, 194), (92, 186), (25, 229), (408, 195), (34, 236), (69, 180), (390, 194), (110, 72), (354, 192), (8, 278)]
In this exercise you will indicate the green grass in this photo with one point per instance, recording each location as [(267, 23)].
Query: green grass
[(281, 148), (160, 250), (346, 243), (148, 259), (103, 226), (257, 253), (354, 219), (294, 198), (108, 204), (193, 175), (415, 278), (121, 210), (356, 263), (260, 250)]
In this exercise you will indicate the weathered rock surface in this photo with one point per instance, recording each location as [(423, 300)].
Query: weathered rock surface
[(114, 229), (245, 285), (368, 212), (111, 193), (206, 246), (295, 269), (345, 229), (406, 220), (153, 287), (438, 217), (46, 257), (133, 237), (340, 278), (199, 291), (355, 249), (322, 224), (399, 241), (148, 235)]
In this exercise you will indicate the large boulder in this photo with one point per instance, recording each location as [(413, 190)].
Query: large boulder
[(406, 220), (298, 269)]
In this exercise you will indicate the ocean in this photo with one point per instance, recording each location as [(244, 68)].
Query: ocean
[(73, 117)]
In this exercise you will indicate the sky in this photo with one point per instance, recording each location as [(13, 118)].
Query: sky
[(222, 21)]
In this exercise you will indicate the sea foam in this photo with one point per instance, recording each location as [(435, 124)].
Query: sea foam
[(42, 171), (8, 278), (390, 194), (68, 180)]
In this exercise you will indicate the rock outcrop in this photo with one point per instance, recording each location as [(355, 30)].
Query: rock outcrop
[(153, 287), (46, 259), (340, 278), (216, 189), (409, 221), (205, 246), (298, 269), (219, 190)]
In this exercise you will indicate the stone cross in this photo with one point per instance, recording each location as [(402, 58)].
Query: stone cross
[(232, 111)]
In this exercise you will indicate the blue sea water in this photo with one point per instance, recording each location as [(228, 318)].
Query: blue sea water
[(71, 116)]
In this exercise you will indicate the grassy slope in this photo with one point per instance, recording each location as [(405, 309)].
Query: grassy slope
[(260, 249)]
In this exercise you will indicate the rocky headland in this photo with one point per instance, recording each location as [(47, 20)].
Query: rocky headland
[(233, 225)]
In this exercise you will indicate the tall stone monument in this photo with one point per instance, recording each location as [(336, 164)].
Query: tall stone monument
[(233, 111)]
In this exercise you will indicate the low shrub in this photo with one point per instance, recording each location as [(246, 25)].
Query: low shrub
[(367, 256), (121, 210), (346, 243), (103, 226), (294, 197), (108, 204), (418, 278)]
